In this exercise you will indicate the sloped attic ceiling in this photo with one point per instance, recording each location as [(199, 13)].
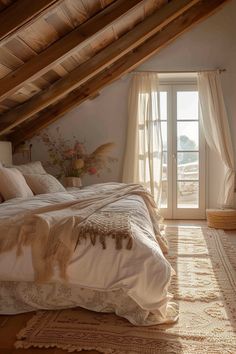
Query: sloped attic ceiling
[(54, 54)]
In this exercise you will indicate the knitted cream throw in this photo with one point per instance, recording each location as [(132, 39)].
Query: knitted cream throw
[(107, 224)]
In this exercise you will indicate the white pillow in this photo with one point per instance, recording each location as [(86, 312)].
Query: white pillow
[(41, 184), (13, 184), (31, 168)]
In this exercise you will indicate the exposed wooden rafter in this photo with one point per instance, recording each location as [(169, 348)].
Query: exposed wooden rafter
[(106, 57), (20, 13), (44, 61), (128, 62)]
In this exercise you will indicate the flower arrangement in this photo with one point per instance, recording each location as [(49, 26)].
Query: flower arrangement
[(71, 159)]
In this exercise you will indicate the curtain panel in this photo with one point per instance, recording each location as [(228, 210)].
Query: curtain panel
[(143, 154), (216, 129)]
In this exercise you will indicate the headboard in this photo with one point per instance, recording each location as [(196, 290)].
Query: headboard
[(6, 152)]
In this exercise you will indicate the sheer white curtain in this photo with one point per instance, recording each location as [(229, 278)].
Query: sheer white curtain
[(143, 155), (216, 129)]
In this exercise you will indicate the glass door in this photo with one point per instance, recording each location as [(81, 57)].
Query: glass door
[(183, 182)]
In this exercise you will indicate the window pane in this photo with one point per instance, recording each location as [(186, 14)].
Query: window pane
[(187, 136), (164, 194), (163, 105), (141, 141), (187, 105), (164, 166), (164, 135), (187, 194), (188, 165), (141, 169)]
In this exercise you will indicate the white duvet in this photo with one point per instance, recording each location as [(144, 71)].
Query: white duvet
[(143, 274)]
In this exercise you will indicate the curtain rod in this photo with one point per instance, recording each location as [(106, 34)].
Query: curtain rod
[(178, 71)]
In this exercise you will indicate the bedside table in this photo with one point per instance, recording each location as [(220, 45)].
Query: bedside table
[(221, 218)]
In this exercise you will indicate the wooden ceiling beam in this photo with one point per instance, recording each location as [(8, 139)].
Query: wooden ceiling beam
[(127, 63), (96, 64), (20, 13), (58, 51)]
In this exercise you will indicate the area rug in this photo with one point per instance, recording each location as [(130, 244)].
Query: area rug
[(204, 287)]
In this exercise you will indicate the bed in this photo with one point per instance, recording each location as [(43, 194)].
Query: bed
[(131, 280)]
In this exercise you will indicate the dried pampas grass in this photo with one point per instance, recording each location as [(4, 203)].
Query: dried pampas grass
[(103, 149)]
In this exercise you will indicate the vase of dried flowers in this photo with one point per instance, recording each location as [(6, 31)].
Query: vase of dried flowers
[(70, 160)]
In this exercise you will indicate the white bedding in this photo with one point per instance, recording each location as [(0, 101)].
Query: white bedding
[(142, 273)]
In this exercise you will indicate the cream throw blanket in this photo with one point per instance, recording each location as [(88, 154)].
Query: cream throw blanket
[(53, 232)]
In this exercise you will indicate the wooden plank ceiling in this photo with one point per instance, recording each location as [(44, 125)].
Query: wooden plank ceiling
[(55, 54)]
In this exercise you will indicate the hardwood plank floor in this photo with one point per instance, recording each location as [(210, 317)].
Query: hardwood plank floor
[(11, 325)]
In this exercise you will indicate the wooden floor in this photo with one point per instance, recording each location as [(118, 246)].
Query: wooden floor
[(11, 325)]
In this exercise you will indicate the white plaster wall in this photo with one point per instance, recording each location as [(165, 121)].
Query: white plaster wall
[(95, 122), (210, 44)]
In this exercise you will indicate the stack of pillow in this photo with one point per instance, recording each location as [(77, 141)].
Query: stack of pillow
[(24, 181)]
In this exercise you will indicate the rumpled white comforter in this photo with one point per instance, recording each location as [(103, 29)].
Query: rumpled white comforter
[(142, 273)]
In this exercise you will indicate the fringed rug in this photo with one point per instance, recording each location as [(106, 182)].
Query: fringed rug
[(205, 289)]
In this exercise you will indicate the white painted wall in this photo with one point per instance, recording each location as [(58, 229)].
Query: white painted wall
[(96, 122), (209, 45)]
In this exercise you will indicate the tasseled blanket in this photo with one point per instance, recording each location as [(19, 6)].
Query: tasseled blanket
[(107, 224), (54, 232)]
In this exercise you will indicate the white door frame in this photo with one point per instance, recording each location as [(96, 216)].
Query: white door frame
[(172, 212)]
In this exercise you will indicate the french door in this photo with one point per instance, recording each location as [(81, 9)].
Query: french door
[(183, 175)]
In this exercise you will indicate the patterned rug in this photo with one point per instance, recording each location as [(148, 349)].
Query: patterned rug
[(205, 289)]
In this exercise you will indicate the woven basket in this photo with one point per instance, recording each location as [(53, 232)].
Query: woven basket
[(221, 218)]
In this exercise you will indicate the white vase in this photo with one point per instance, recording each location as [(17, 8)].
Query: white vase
[(73, 182)]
